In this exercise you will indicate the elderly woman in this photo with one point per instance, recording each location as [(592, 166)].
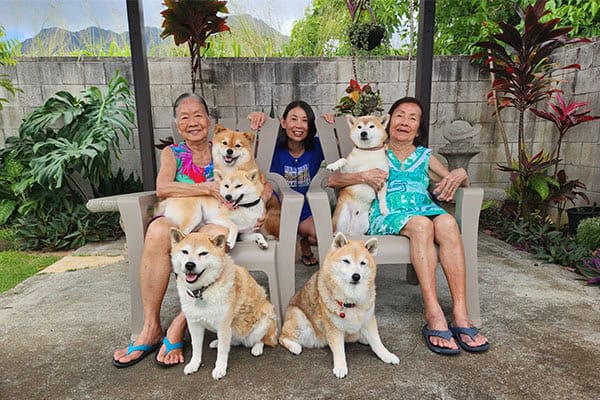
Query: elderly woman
[(186, 169), (415, 215)]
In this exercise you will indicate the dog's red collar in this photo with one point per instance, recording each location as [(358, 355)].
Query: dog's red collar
[(343, 305)]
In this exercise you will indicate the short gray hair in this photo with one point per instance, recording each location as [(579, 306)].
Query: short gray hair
[(184, 96)]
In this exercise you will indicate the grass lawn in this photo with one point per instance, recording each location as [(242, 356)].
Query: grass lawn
[(16, 266)]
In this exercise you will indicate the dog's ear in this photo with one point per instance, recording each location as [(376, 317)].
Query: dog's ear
[(219, 241), (250, 136), (218, 128), (339, 241), (351, 119), (253, 175), (371, 246), (218, 174), (385, 120), (176, 236)]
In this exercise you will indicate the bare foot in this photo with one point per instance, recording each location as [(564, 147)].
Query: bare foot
[(146, 337), (478, 340), (439, 323), (175, 335), (308, 258)]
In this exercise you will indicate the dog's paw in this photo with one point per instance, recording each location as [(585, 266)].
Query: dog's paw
[(257, 349), (214, 344), (293, 347), (230, 244), (334, 166), (191, 367), (219, 372), (262, 243), (340, 372), (390, 358)]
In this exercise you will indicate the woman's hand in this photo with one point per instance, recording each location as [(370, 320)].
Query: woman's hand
[(330, 118), (257, 119), (375, 178), (260, 221), (445, 189), (213, 189)]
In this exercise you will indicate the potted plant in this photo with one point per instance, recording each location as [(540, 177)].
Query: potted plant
[(364, 35), (359, 101), (565, 116), (192, 22)]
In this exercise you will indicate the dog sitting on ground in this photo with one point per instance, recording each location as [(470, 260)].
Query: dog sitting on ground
[(241, 189), (351, 215), (337, 305), (233, 151), (217, 295)]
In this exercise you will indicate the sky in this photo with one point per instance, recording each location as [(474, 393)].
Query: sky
[(23, 19)]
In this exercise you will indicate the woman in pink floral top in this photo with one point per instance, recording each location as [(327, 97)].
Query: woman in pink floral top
[(186, 169)]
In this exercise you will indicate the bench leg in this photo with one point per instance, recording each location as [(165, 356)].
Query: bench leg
[(411, 275)]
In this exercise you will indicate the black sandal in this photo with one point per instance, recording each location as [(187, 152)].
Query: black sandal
[(309, 260)]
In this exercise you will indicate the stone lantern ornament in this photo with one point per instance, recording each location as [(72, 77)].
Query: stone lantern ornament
[(461, 149)]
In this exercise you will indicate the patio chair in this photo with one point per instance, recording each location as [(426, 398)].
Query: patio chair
[(136, 210), (392, 249)]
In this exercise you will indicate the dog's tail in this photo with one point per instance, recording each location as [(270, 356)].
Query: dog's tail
[(270, 338)]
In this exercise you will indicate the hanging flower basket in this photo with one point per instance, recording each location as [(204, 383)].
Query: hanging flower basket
[(366, 35)]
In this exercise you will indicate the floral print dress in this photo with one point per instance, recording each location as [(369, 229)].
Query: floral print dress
[(187, 171), (407, 194)]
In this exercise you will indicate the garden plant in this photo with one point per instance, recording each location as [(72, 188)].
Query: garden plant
[(62, 155), (519, 59)]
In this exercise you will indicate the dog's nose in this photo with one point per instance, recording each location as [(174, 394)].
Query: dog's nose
[(228, 197), (356, 277), (363, 134), (191, 265), (229, 152)]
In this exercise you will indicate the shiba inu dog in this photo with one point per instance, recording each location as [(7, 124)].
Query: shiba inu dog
[(217, 295), (337, 305), (351, 215), (234, 151), (241, 189)]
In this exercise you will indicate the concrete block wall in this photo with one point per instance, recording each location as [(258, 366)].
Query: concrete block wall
[(236, 86)]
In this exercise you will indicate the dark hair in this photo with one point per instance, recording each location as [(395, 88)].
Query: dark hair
[(184, 96), (308, 142), (423, 131)]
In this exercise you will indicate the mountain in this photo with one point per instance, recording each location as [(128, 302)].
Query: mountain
[(249, 36)]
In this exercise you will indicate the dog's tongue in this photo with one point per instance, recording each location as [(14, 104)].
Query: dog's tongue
[(190, 277), (228, 159)]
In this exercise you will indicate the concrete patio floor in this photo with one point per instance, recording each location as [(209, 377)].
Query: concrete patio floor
[(58, 332)]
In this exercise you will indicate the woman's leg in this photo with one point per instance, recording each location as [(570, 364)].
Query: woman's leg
[(420, 231), (155, 269), (308, 238), (452, 258)]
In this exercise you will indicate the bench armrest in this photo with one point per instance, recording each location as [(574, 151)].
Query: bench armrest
[(291, 207)]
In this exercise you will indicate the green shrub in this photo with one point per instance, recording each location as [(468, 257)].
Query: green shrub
[(588, 233), (68, 137)]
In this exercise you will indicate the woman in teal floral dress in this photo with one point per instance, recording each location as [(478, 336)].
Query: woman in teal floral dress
[(414, 214)]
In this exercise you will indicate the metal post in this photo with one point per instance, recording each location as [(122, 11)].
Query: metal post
[(425, 56), (141, 83)]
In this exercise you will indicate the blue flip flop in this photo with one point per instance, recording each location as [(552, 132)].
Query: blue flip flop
[(471, 332), (427, 333), (168, 348), (144, 348)]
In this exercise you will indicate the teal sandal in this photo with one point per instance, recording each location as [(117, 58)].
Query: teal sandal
[(146, 349), (168, 348)]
